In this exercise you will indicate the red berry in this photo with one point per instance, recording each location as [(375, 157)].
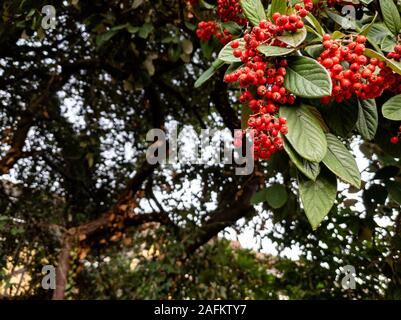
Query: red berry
[(326, 37), (235, 44), (328, 63), (276, 15), (361, 39), (237, 53)]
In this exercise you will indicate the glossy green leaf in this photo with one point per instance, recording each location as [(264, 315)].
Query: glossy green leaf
[(341, 117), (315, 23), (368, 119), (392, 108), (294, 39), (366, 29), (276, 196), (253, 10), (318, 197), (273, 51), (391, 15), (341, 162), (305, 133), (278, 6), (226, 54), (208, 73), (306, 78), (308, 168), (394, 190)]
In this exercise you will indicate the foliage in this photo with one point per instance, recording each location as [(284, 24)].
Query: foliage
[(77, 101)]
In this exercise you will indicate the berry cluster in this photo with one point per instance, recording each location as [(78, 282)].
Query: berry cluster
[(227, 10), (266, 32), (396, 139), (351, 71), (396, 55), (264, 94), (230, 10), (206, 29), (394, 79), (262, 79)]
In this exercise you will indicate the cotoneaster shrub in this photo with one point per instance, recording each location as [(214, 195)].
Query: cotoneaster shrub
[(295, 64)]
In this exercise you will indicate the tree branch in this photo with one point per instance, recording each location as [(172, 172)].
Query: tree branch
[(219, 220)]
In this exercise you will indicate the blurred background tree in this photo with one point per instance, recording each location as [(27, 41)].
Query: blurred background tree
[(76, 191)]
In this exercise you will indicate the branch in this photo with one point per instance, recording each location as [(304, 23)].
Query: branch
[(17, 144), (240, 207)]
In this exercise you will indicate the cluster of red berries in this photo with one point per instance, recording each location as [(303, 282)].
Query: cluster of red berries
[(227, 10), (267, 30), (394, 79), (206, 29), (262, 78), (396, 55), (351, 71), (265, 131), (231, 10), (396, 139), (395, 85), (264, 93)]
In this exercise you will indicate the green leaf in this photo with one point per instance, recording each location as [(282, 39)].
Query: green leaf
[(145, 30), (315, 23), (253, 10), (378, 32), (206, 5), (337, 35), (340, 20), (207, 49), (276, 196), (105, 37), (341, 117), (368, 119), (388, 44), (394, 190), (273, 51), (208, 73), (226, 54), (259, 197), (234, 66), (366, 29), (304, 132), (308, 168), (278, 6), (319, 117), (392, 108), (232, 27), (318, 197), (314, 50), (306, 78), (294, 39), (341, 162), (391, 16)]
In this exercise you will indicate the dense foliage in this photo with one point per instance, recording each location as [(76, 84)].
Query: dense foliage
[(318, 91)]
